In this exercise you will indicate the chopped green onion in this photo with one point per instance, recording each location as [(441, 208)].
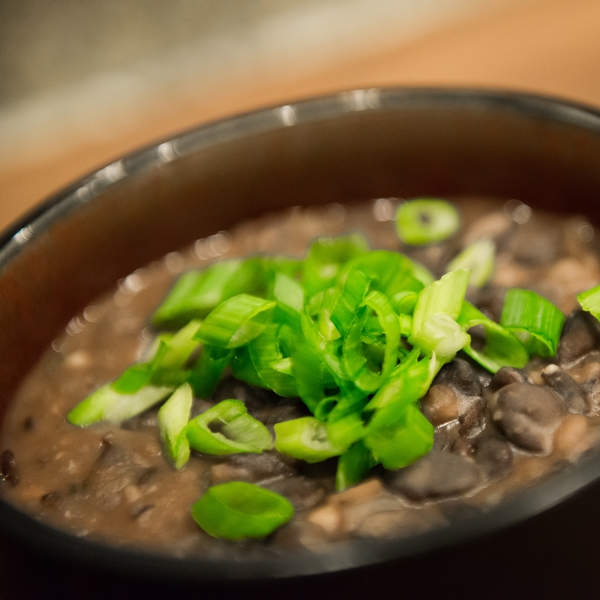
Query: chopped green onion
[(434, 326), (502, 348), (235, 322), (173, 417), (355, 363), (404, 302), (590, 301), (169, 365), (353, 466), (480, 257), (243, 369), (196, 293), (305, 438), (135, 377), (426, 221), (267, 358), (346, 430), (106, 404), (534, 320), (355, 287), (227, 428), (206, 374), (289, 295), (326, 257), (392, 272), (397, 438), (408, 383), (238, 510)]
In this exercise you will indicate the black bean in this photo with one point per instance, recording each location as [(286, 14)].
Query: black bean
[(436, 475), (267, 464), (459, 374), (526, 413), (567, 388), (440, 404), (478, 338), (285, 410), (493, 455), (507, 375), (8, 467), (490, 300), (462, 446), (50, 499), (253, 468), (303, 493), (472, 418), (580, 336), (254, 398)]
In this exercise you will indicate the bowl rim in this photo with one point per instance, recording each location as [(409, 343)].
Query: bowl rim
[(336, 556)]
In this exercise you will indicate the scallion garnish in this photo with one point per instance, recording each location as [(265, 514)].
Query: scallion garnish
[(534, 320), (173, 417), (239, 510), (502, 348), (590, 301), (227, 428), (305, 438), (480, 258), (426, 221), (358, 335)]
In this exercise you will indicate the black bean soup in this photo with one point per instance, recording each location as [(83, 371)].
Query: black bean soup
[(493, 434)]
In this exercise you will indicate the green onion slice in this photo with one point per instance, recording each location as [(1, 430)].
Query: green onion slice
[(196, 293), (289, 295), (355, 362), (235, 322), (206, 374), (353, 466), (305, 438), (502, 348), (106, 404), (590, 301), (227, 428), (268, 360), (239, 510), (243, 369), (355, 287), (480, 258), (534, 320), (326, 257), (173, 417), (426, 221), (434, 326), (392, 272), (408, 383), (399, 435)]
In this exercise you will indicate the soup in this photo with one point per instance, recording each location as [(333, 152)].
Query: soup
[(494, 434)]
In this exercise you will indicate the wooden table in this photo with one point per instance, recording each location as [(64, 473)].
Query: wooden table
[(544, 46)]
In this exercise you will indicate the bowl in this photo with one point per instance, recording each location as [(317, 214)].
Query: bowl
[(347, 147)]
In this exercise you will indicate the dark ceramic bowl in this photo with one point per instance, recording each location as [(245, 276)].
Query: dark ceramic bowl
[(343, 148)]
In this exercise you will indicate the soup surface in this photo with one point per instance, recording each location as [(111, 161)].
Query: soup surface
[(493, 434)]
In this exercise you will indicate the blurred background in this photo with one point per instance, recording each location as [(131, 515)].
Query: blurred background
[(82, 81)]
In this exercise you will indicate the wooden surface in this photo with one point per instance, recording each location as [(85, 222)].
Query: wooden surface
[(544, 46)]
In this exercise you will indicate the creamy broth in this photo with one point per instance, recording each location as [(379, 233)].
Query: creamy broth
[(111, 482)]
